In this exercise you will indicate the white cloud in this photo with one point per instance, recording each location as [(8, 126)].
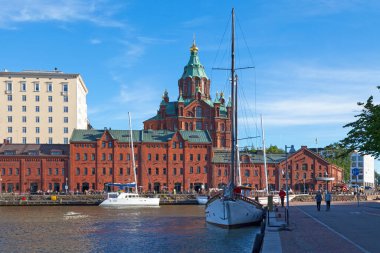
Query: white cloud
[(99, 12), (95, 41)]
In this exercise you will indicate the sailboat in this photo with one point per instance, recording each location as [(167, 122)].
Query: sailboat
[(121, 198), (230, 208)]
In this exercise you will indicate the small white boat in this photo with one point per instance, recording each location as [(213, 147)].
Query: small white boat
[(129, 199), (202, 199)]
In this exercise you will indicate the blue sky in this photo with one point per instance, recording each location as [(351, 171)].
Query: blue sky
[(314, 59)]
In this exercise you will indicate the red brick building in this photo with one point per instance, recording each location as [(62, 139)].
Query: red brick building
[(33, 167), (194, 109)]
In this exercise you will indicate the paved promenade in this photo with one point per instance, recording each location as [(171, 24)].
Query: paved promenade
[(345, 228)]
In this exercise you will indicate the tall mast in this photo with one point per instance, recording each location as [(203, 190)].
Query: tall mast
[(233, 95), (132, 151), (264, 155)]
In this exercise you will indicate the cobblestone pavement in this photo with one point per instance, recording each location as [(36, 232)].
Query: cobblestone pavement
[(347, 227)]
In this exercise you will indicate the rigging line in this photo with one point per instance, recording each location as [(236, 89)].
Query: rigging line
[(220, 44), (245, 41)]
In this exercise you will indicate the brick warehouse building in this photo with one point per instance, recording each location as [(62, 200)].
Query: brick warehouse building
[(184, 147)]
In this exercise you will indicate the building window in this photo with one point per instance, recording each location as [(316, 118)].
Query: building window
[(50, 98), (191, 157), (78, 171), (77, 156), (121, 171), (36, 87), (23, 98), (50, 130), (174, 157), (23, 108), (205, 170), (65, 99), (149, 171), (157, 157), (104, 171), (49, 87), (50, 109), (164, 171), (23, 86), (246, 173), (191, 170), (9, 97), (198, 125), (103, 157), (93, 171), (157, 171), (37, 98), (23, 140), (110, 157), (174, 171), (92, 157), (9, 108), (50, 140), (65, 119), (65, 130), (121, 157), (63, 171), (181, 171), (85, 172), (128, 171), (17, 172), (174, 145), (65, 87), (65, 109), (110, 144), (37, 130), (199, 157), (149, 157), (56, 171), (181, 157), (164, 157), (9, 119), (23, 119), (180, 145), (198, 112), (103, 144), (50, 119), (198, 170), (85, 156), (66, 140), (37, 108), (10, 129)]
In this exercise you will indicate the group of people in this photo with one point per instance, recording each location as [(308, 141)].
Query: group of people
[(318, 199)]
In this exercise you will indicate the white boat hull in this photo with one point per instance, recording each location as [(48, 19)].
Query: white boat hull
[(233, 212), (202, 200), (130, 200)]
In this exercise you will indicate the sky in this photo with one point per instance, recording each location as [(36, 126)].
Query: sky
[(314, 60)]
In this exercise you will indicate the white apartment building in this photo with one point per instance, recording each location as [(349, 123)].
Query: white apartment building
[(41, 106), (366, 166)]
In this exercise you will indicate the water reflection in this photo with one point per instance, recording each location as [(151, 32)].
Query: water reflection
[(96, 229)]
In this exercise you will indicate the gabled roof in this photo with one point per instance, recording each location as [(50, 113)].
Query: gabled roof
[(80, 135), (224, 156), (42, 149)]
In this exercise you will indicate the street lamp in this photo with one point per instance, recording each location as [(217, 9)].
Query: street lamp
[(66, 186), (286, 182)]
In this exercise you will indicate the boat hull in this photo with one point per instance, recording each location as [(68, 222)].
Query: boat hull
[(123, 200), (235, 212), (202, 200)]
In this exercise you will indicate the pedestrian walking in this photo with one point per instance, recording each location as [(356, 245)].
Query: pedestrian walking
[(318, 198), (328, 200), (282, 195)]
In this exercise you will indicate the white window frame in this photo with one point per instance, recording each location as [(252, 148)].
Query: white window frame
[(49, 87), (36, 86), (23, 87)]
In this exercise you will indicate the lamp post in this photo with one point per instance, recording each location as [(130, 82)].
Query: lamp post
[(66, 186), (1, 185), (286, 183)]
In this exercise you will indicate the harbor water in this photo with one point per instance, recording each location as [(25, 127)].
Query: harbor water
[(97, 229)]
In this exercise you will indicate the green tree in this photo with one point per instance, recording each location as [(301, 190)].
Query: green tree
[(338, 155), (273, 149), (364, 135)]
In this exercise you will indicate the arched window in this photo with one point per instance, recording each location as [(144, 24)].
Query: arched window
[(198, 112), (191, 126), (186, 126)]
